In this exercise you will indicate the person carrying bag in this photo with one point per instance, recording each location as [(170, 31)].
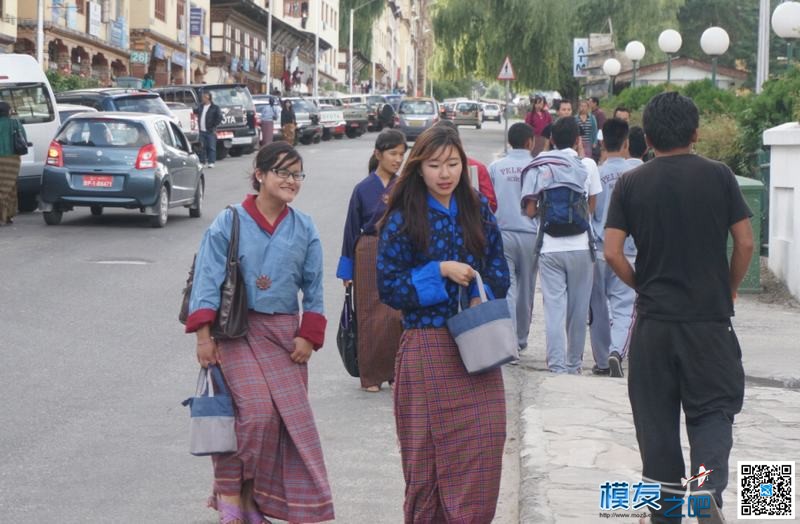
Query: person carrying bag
[(13, 144)]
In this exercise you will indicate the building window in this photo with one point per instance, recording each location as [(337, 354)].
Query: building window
[(161, 9), (181, 7)]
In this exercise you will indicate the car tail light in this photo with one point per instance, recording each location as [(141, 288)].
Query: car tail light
[(147, 157), (193, 125), (55, 155)]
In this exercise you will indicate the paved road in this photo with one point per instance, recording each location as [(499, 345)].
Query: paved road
[(96, 364)]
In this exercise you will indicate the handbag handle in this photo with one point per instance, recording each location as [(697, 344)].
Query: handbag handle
[(481, 291), (205, 382), (233, 245)]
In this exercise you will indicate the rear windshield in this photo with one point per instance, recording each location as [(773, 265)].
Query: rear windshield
[(142, 104), (492, 107), (301, 106), (421, 107), (466, 107), (30, 102), (93, 132), (230, 96), (376, 100)]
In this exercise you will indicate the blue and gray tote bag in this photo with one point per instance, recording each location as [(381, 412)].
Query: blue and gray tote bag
[(484, 333), (213, 422)]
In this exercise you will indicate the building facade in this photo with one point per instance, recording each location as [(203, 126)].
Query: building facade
[(8, 25)]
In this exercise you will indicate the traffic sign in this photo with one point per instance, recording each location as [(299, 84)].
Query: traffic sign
[(507, 71)]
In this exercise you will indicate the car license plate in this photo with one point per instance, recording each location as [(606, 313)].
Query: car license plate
[(98, 181), (222, 135), (417, 123)]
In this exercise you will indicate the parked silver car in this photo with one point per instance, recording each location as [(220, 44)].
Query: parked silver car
[(417, 115), (117, 159)]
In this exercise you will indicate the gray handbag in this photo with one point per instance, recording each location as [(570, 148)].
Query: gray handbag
[(213, 423), (484, 333)]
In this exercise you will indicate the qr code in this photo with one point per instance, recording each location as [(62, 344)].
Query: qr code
[(766, 490)]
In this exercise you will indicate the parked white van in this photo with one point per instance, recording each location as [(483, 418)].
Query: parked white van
[(24, 86)]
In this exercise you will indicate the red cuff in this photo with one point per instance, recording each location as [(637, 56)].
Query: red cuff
[(200, 318), (312, 328)]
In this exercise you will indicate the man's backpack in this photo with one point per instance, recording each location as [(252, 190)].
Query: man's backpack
[(563, 212)]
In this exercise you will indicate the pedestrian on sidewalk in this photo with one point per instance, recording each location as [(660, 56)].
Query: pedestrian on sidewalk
[(268, 116), (680, 208), (278, 469), (517, 229), (612, 299), (538, 118), (209, 117), (563, 185), (437, 232), (485, 187), (379, 326), (638, 149), (588, 128), (9, 164), (289, 123)]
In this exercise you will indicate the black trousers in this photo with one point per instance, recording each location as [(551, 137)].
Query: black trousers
[(697, 366)]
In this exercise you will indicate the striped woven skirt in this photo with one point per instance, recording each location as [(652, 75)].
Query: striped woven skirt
[(379, 326), (452, 429), (278, 444), (9, 171)]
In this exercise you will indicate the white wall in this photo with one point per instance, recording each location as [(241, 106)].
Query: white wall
[(784, 204), (683, 75)]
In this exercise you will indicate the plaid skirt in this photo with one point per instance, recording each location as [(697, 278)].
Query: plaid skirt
[(452, 429), (9, 171), (279, 448), (379, 326)]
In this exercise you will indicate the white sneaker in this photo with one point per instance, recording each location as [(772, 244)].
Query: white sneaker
[(205, 166), (210, 166)]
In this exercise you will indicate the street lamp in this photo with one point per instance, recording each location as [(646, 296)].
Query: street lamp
[(611, 67), (635, 51), (786, 24), (715, 42), (669, 41), (350, 61)]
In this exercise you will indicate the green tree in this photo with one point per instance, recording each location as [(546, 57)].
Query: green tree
[(362, 24)]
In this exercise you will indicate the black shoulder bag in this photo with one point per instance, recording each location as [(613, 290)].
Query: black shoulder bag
[(346, 338), (231, 320), (20, 144)]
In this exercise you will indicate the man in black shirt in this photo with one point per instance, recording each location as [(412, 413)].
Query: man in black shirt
[(679, 208)]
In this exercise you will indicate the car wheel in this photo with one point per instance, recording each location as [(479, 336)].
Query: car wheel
[(196, 209), (96, 210), (221, 153), (27, 202), (161, 208), (477, 126), (352, 133), (235, 152), (317, 139), (305, 141), (53, 218)]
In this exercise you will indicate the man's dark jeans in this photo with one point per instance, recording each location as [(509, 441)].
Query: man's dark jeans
[(208, 147), (696, 365)]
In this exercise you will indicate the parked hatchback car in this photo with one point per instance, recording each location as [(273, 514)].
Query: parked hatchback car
[(116, 99), (119, 159), (416, 115), (468, 114)]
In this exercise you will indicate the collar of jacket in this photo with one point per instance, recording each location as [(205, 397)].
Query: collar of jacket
[(437, 206)]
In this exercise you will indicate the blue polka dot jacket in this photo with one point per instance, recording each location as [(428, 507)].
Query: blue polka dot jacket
[(411, 281)]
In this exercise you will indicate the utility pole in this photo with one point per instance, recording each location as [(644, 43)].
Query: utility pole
[(317, 23), (269, 48), (762, 62), (187, 31), (40, 34)]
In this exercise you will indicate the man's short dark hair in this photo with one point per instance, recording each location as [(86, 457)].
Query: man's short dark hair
[(670, 120), (637, 146), (443, 122), (519, 134), (595, 100), (615, 132), (621, 109), (564, 132)]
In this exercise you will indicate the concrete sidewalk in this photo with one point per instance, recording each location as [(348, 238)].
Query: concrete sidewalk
[(577, 431)]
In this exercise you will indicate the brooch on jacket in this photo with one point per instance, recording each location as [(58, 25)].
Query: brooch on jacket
[(263, 282)]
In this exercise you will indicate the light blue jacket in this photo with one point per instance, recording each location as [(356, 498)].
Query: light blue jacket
[(506, 179)]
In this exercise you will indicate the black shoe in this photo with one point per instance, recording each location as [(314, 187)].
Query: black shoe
[(600, 371), (615, 365)]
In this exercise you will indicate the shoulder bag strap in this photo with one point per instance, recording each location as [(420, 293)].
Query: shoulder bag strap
[(233, 244)]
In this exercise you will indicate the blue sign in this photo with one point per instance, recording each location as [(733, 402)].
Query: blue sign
[(72, 17), (196, 21), (158, 51), (57, 11), (179, 58), (117, 37)]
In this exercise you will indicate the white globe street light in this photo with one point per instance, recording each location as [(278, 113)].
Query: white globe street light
[(669, 41), (611, 67), (786, 24), (715, 42), (635, 51)]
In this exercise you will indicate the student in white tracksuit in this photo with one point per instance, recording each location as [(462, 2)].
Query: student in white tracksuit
[(517, 229), (612, 300), (565, 263)]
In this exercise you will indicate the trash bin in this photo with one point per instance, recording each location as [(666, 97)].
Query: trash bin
[(753, 194)]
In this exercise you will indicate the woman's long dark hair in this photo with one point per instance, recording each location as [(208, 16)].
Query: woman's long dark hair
[(388, 139), (410, 194)]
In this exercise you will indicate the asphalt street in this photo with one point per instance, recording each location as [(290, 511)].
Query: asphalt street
[(96, 364)]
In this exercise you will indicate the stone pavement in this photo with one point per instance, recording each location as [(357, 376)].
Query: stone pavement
[(577, 431)]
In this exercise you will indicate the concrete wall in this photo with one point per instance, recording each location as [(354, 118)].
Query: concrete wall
[(784, 204)]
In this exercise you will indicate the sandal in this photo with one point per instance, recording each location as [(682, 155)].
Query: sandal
[(372, 389), (230, 512)]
